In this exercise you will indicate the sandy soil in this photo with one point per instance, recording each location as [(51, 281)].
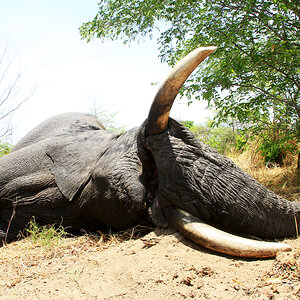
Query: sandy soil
[(160, 265)]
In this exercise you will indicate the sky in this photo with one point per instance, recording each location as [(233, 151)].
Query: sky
[(63, 73)]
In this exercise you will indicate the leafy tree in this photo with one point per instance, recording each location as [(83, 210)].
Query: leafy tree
[(253, 76)]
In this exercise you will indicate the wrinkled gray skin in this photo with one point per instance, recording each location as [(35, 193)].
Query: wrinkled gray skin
[(70, 171)]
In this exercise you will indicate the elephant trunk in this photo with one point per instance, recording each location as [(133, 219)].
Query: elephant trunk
[(242, 204)]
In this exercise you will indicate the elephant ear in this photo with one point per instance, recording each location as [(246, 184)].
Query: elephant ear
[(74, 157)]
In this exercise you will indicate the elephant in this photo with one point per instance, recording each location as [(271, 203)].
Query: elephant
[(70, 171)]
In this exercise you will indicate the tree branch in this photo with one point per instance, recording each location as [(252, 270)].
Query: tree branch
[(9, 89), (291, 78), (280, 100)]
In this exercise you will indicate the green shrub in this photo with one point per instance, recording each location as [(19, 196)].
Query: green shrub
[(275, 148), (241, 141), (47, 235), (223, 138), (5, 148)]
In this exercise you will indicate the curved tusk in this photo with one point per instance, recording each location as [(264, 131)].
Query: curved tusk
[(220, 241), (160, 109)]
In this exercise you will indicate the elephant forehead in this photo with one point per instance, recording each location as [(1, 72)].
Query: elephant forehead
[(64, 124), (120, 159)]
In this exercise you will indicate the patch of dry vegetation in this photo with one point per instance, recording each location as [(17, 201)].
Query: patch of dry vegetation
[(283, 180)]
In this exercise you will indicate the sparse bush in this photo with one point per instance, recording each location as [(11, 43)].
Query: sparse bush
[(268, 144), (274, 148), (223, 138), (47, 235)]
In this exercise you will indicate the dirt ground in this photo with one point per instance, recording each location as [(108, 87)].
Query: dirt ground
[(160, 265)]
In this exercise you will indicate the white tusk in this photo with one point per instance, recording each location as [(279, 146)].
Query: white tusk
[(160, 109), (218, 240)]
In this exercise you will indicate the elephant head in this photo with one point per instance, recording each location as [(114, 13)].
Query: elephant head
[(197, 186)]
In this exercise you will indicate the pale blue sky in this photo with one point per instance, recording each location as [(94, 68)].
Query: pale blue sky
[(67, 73)]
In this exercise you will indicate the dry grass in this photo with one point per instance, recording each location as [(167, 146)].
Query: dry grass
[(36, 248), (107, 239)]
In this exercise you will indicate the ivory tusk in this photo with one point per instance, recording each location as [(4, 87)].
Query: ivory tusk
[(218, 240), (160, 109)]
